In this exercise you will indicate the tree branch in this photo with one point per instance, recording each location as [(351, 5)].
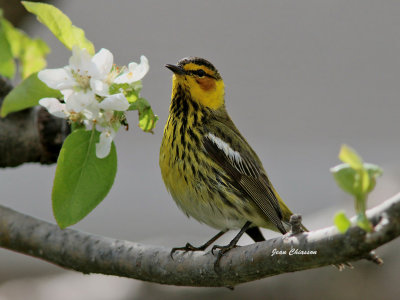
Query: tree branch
[(88, 253), (30, 135)]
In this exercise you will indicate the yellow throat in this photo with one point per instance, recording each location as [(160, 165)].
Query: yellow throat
[(207, 90)]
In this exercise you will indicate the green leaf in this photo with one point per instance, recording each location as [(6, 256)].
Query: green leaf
[(14, 37), (345, 177), (350, 180), (33, 57), (27, 94), (31, 52), (7, 64), (362, 180), (115, 88), (60, 25), (374, 172), (147, 119), (82, 180), (358, 179), (350, 156), (130, 92), (342, 222)]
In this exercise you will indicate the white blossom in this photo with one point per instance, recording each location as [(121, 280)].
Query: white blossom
[(116, 102), (54, 107), (104, 145), (81, 100), (135, 71), (99, 87), (59, 79), (85, 85)]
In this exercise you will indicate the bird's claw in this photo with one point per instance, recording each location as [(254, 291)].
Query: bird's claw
[(221, 253), (186, 248), (223, 249)]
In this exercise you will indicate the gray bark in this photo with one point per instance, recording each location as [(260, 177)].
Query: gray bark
[(88, 253)]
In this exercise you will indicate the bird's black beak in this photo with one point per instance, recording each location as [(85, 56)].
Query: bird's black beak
[(176, 69)]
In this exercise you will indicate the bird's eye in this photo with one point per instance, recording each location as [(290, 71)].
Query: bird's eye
[(200, 73)]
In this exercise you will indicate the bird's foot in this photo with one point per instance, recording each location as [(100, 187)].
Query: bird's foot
[(188, 247), (221, 253)]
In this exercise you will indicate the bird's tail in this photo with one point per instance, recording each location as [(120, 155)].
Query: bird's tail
[(255, 234)]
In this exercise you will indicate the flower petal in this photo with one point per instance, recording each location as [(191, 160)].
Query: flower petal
[(91, 112), (76, 102), (140, 70), (106, 117), (135, 71), (81, 63), (54, 107), (99, 87), (123, 78), (116, 102), (66, 93), (104, 145), (57, 78), (103, 60)]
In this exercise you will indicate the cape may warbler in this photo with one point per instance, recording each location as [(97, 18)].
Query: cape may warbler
[(207, 165)]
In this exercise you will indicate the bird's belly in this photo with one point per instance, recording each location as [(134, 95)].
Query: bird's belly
[(208, 212), (205, 196), (195, 199)]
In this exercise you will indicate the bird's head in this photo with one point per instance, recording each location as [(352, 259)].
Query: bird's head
[(201, 79)]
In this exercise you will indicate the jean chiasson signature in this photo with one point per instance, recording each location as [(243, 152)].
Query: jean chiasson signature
[(293, 251)]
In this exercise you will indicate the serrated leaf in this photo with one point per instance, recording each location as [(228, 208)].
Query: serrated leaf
[(341, 221), (350, 156), (27, 94), (7, 64), (82, 179), (60, 25)]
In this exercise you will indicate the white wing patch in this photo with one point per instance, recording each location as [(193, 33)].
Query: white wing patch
[(236, 159), (224, 146)]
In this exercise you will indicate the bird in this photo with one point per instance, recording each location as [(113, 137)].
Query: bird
[(207, 165)]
